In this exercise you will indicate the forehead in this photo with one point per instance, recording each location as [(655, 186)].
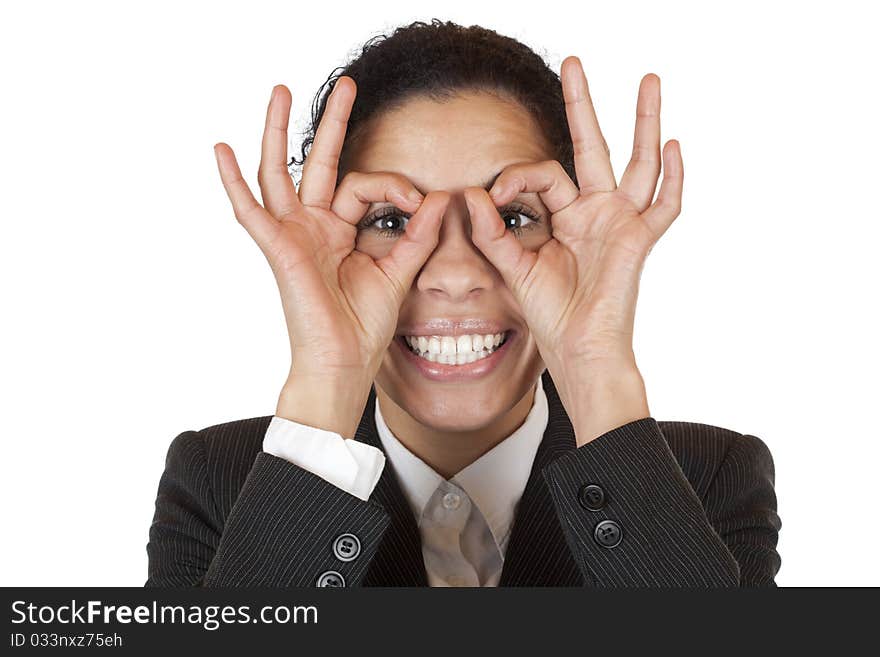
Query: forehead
[(450, 143)]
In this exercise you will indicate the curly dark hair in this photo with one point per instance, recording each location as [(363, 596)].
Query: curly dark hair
[(438, 59)]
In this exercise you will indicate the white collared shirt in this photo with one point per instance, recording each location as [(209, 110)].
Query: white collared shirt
[(464, 522)]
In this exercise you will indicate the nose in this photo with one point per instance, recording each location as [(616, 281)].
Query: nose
[(457, 270)]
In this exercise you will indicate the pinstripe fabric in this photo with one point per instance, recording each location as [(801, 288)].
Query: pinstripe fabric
[(696, 506)]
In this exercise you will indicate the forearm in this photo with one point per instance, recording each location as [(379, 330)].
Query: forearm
[(659, 533), (665, 536), (602, 397), (280, 530), (283, 526), (332, 403)]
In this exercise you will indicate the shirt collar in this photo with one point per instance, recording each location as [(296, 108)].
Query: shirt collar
[(495, 482)]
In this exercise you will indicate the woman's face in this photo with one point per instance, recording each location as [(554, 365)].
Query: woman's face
[(447, 146)]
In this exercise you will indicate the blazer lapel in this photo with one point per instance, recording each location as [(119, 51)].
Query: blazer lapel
[(537, 553), (398, 560)]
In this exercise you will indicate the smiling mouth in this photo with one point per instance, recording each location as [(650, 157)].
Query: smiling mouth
[(459, 350)]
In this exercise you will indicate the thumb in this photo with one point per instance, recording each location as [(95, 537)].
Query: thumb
[(499, 245), (409, 253)]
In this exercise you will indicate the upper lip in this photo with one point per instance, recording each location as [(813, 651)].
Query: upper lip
[(454, 327)]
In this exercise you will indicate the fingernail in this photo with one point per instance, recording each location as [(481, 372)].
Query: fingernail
[(415, 196), (274, 91)]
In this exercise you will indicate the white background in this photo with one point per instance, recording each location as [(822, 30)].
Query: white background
[(136, 307)]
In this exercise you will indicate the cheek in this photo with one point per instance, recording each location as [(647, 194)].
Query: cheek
[(534, 239), (373, 245)]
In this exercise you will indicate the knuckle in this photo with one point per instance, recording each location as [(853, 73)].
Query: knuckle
[(673, 206), (557, 172), (396, 182), (520, 180), (348, 186), (645, 153), (394, 178), (349, 179), (511, 173)]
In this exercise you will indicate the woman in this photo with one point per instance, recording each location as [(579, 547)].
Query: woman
[(459, 270)]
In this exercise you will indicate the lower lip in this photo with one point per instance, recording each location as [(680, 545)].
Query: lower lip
[(444, 372)]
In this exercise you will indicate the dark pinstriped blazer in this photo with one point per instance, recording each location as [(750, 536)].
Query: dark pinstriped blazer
[(695, 503)]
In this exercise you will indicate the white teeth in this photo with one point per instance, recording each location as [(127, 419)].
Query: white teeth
[(455, 351)]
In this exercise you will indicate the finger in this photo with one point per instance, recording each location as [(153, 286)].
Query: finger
[(358, 191), (591, 157), (499, 245), (279, 193), (319, 171), (668, 204), (640, 178), (412, 249), (257, 222), (548, 179)]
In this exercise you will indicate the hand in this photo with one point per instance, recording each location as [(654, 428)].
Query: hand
[(578, 291), (341, 305)]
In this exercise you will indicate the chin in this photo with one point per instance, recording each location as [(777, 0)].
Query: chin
[(453, 415), (450, 410)]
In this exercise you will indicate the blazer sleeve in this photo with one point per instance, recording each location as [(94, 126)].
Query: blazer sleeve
[(667, 535), (279, 532)]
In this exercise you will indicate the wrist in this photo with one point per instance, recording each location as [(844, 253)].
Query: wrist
[(328, 403), (600, 399)]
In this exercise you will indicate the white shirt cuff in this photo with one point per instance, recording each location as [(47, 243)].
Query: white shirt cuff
[(353, 466)]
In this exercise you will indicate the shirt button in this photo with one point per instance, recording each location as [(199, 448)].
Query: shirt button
[(451, 501)]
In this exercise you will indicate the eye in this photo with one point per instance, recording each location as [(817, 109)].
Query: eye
[(388, 222), (519, 218)]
